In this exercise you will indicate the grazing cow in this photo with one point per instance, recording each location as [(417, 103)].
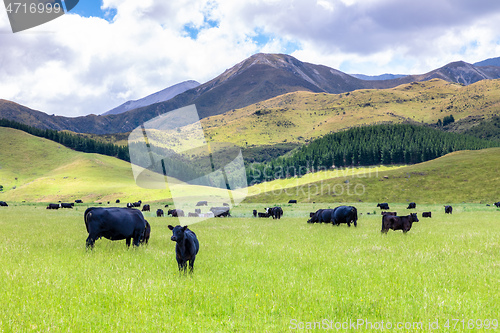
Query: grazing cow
[(3, 204), (146, 234), (389, 213), (263, 215), (137, 204), (176, 212), (448, 209), (146, 208), (192, 214), (197, 211), (317, 217), (202, 203), (220, 211), (159, 212), (384, 205), (254, 213), (275, 212), (411, 205), (398, 222), (53, 206), (114, 224), (497, 204), (67, 205), (345, 214), (426, 214), (166, 205), (130, 205), (117, 201), (186, 247), (292, 201), (78, 201)]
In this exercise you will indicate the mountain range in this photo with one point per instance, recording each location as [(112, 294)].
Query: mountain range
[(255, 79)]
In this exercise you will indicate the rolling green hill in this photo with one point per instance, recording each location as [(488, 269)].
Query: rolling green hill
[(464, 176)]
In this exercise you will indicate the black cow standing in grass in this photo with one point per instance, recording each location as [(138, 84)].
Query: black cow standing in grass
[(146, 234), (426, 214), (383, 205), (53, 206), (186, 247), (146, 208), (66, 205), (398, 222), (411, 205), (448, 209), (3, 204), (115, 224), (254, 213), (497, 204), (341, 214), (275, 212), (291, 201), (175, 212), (159, 212)]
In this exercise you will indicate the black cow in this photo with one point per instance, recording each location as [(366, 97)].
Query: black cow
[(192, 214), (186, 247), (317, 217), (398, 222), (197, 210), (220, 211), (66, 205), (448, 209), (117, 201), (114, 224), (159, 212), (263, 215), (146, 234), (202, 203), (497, 204), (130, 205), (384, 205), (53, 206), (411, 205), (137, 204), (292, 201), (275, 212), (78, 201), (176, 212), (345, 214), (254, 213), (3, 204), (426, 214), (146, 208)]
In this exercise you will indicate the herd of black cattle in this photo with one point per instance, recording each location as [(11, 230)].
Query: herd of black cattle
[(118, 223)]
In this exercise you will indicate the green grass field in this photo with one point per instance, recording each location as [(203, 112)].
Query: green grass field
[(251, 275)]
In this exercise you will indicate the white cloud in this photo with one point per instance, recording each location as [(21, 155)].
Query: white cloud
[(75, 65)]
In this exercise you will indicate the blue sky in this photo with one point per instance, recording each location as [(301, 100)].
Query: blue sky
[(93, 60)]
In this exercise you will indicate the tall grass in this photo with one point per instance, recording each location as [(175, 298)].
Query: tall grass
[(250, 275)]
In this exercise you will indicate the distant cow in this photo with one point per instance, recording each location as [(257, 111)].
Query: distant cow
[(3, 204), (497, 204), (137, 204), (130, 205), (254, 213), (197, 211), (186, 247), (78, 201), (389, 213), (114, 224), (426, 214), (159, 212), (448, 209), (220, 211), (117, 201), (202, 203), (384, 205), (398, 222), (292, 201), (264, 215), (225, 204), (53, 206), (66, 205), (275, 212), (146, 234), (176, 212), (341, 214), (146, 208), (411, 205), (192, 214)]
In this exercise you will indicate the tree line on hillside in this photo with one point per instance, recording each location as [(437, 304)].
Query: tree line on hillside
[(72, 141), (365, 146)]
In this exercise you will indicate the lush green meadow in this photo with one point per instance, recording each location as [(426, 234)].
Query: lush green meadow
[(251, 275)]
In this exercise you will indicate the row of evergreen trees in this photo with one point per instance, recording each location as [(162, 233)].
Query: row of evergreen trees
[(73, 141), (364, 146)]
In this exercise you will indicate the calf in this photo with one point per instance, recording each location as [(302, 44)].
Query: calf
[(254, 213), (448, 209), (159, 212), (383, 205), (186, 247), (398, 222), (411, 205), (426, 214)]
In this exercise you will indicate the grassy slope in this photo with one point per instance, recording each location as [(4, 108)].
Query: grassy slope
[(299, 116), (470, 176)]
